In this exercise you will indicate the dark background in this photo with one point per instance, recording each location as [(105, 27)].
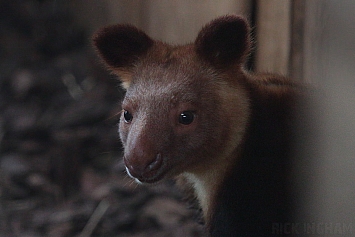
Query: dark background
[(60, 155)]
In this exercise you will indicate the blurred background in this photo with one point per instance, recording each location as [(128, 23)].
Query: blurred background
[(61, 172)]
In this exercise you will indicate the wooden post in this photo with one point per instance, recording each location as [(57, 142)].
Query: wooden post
[(273, 32), (296, 66)]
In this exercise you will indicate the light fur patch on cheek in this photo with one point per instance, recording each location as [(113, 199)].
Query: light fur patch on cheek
[(236, 104)]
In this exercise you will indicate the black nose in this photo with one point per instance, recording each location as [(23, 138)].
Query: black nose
[(155, 164), (144, 168)]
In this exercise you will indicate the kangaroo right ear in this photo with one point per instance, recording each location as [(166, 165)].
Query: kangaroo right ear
[(224, 41), (120, 46)]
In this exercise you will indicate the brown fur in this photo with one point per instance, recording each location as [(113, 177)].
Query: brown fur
[(239, 117)]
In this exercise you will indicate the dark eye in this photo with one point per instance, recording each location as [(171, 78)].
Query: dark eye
[(186, 117), (127, 116)]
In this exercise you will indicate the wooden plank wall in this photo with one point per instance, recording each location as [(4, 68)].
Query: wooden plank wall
[(179, 21), (327, 164), (171, 21)]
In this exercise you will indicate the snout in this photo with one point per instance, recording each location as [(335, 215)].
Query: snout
[(145, 169)]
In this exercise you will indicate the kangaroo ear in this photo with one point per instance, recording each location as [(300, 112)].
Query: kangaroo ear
[(224, 41), (120, 46)]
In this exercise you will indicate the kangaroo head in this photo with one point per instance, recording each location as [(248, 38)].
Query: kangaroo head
[(185, 106)]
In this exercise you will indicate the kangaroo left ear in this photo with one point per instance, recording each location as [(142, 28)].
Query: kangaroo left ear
[(225, 41), (120, 47)]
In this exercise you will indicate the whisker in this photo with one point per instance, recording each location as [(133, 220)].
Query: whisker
[(116, 114), (135, 185), (128, 180)]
